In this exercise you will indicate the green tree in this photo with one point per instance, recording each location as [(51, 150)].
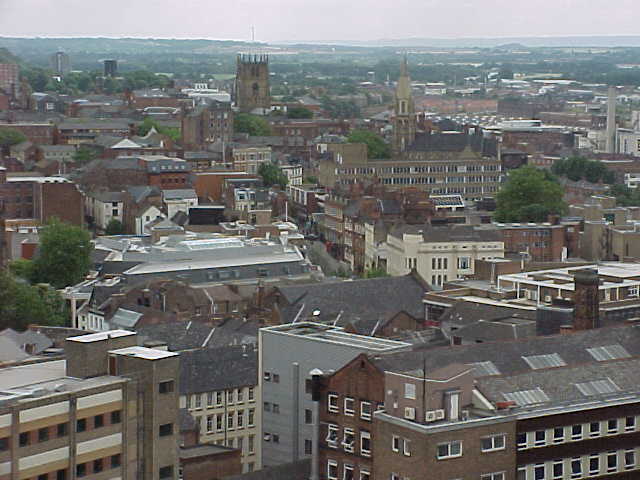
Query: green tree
[(529, 195), (9, 137), (84, 155), (22, 304), (376, 147), (146, 125), (299, 112), (251, 124), (580, 168), (114, 227), (64, 255), (22, 268), (272, 175), (376, 272)]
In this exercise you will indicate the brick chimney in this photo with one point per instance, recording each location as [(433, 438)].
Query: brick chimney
[(586, 298)]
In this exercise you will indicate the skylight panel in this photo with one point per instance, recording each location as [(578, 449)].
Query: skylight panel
[(537, 362)]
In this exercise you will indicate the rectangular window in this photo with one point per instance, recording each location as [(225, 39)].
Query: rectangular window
[(521, 441), (308, 446), (81, 425), (558, 469), (251, 444), (576, 432), (493, 443), (115, 460), (166, 429), (240, 395), (365, 443), (98, 421), (612, 461), (210, 399), (406, 450), (347, 472), (332, 403), (348, 440), (251, 417), (276, 378), (540, 438), (116, 416), (81, 470), (198, 401), (492, 476), (4, 444), (209, 423), (308, 416), (365, 474), (230, 420), (594, 429), (62, 430), (275, 407), (410, 391), (219, 399), (43, 434), (365, 410), (449, 450), (612, 425), (166, 387), (629, 424), (594, 464), (219, 420), (240, 418), (349, 406), (98, 466), (558, 435), (629, 459), (24, 439), (332, 470), (166, 472), (576, 468), (251, 394), (332, 435), (395, 443)]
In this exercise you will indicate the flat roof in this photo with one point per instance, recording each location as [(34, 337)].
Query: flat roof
[(144, 352), (331, 334), (23, 375), (100, 336)]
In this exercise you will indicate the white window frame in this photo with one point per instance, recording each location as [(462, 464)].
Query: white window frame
[(493, 438), (492, 476), (406, 447), (630, 466), (449, 454), (349, 406), (613, 430), (332, 463), (395, 443), (617, 467), (198, 402), (365, 474), (594, 457), (365, 435), (597, 433), (332, 428), (332, 403), (631, 428), (576, 436), (348, 447), (410, 391), (553, 465), (539, 443), (344, 471), (560, 439), (364, 415)]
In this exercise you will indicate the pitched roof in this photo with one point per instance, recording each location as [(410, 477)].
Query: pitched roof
[(356, 301), (449, 233), (177, 335), (214, 369), (504, 329)]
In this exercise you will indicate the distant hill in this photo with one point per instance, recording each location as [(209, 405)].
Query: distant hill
[(7, 57), (569, 41)]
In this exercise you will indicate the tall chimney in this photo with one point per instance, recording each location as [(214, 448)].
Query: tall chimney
[(586, 298), (611, 121)]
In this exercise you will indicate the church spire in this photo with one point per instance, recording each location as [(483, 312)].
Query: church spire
[(404, 122)]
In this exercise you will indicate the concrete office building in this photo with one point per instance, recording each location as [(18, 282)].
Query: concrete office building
[(287, 354), (108, 411)]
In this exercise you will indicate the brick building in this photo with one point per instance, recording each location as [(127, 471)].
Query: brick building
[(37, 133), (10, 79), (207, 125)]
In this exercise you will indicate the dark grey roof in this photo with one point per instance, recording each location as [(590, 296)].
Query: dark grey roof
[(467, 313), (507, 355), (450, 233), (568, 385), (214, 369), (363, 303), (38, 341), (299, 470), (187, 422), (121, 163), (203, 450), (142, 192), (107, 197), (177, 335), (507, 329), (234, 331)]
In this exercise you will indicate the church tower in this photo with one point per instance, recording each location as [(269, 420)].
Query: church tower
[(252, 84), (404, 118)]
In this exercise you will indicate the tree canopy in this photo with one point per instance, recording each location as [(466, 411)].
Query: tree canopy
[(64, 255), (251, 124), (10, 137), (529, 195), (272, 175), (376, 147), (580, 168), (114, 227), (22, 304), (625, 196), (147, 124), (299, 112)]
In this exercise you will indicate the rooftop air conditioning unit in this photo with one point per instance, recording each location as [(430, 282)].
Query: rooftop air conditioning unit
[(409, 413), (439, 414), (430, 416)]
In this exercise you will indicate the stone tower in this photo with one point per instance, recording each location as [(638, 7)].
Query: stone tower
[(404, 118), (252, 84)]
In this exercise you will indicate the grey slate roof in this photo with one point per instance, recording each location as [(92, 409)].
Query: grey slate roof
[(177, 335), (468, 312), (507, 329), (450, 233), (234, 331), (214, 369), (360, 302), (507, 355)]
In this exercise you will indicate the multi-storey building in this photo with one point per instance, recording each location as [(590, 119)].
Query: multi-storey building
[(206, 125), (10, 79), (218, 387), (288, 353), (440, 253), (108, 411), (249, 159), (252, 84)]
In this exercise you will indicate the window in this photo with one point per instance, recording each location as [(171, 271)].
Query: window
[(365, 474), (395, 443), (521, 441), (166, 429), (540, 438), (81, 425), (449, 450), (629, 424), (230, 420), (24, 439), (308, 416), (44, 476), (594, 464), (308, 446), (348, 439), (349, 406), (410, 391), (332, 403), (594, 429), (276, 438), (98, 421), (251, 444), (81, 470), (210, 399), (558, 435), (629, 459), (198, 401), (576, 432), (219, 398), (332, 435), (209, 423), (266, 407), (116, 416), (332, 470), (493, 443), (276, 408), (276, 378), (365, 443), (267, 376), (612, 461), (61, 475), (365, 410), (166, 387), (612, 425), (522, 473), (240, 395), (166, 472), (576, 468), (4, 444), (219, 420), (558, 468), (406, 448), (251, 394), (43, 434), (115, 460), (240, 418), (98, 465), (492, 476), (189, 402)]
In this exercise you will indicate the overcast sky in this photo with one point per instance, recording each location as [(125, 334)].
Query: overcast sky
[(296, 20)]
